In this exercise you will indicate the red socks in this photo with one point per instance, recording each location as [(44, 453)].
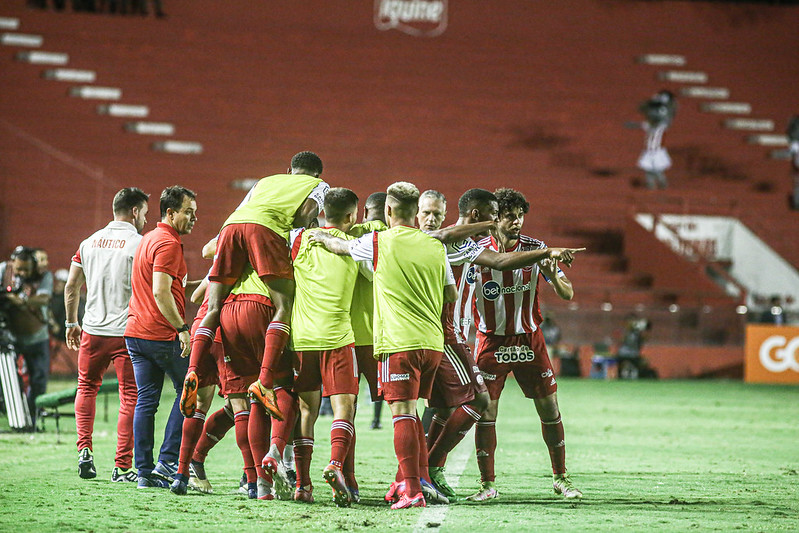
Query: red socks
[(341, 433), (437, 424), (406, 446), (192, 428), (277, 336), (456, 428), (216, 426), (200, 346), (349, 463), (242, 420), (258, 430), (303, 451), (288, 404), (423, 470), (485, 440), (554, 439)]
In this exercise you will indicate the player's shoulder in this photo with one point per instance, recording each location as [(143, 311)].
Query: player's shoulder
[(531, 243), (485, 242)]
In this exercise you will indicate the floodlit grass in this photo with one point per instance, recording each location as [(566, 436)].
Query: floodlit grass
[(672, 455)]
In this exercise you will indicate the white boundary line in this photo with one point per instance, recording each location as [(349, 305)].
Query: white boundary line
[(456, 464)]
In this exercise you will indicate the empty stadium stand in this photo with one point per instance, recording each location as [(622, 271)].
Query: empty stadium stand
[(532, 95)]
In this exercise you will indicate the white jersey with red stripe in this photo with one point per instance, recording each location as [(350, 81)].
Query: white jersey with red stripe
[(506, 303), (107, 261)]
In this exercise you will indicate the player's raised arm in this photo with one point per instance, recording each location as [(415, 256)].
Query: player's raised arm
[(561, 284), (462, 231)]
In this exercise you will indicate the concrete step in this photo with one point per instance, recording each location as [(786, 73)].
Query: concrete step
[(42, 58), (123, 110), (683, 76), (21, 39), (737, 108), (749, 124), (70, 74), (178, 147), (721, 93), (150, 128), (768, 140), (9, 23), (661, 59), (92, 92)]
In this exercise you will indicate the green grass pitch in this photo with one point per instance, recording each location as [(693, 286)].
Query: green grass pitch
[(670, 455)]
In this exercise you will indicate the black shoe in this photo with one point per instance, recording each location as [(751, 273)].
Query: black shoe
[(180, 486), (376, 424), (86, 464)]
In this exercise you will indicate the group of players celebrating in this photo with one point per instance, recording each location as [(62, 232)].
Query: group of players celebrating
[(292, 312)]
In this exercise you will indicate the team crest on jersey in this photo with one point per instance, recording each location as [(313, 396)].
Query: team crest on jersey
[(515, 354), (471, 275)]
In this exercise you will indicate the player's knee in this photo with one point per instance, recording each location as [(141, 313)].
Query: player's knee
[(480, 402)]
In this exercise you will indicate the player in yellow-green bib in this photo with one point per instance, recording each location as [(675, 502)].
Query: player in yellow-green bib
[(323, 339), (362, 310), (412, 279), (256, 233)]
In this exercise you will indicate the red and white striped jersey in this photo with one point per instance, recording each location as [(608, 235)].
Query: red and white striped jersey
[(460, 256), (506, 303)]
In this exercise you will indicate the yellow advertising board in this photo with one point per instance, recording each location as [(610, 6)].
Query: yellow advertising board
[(772, 354)]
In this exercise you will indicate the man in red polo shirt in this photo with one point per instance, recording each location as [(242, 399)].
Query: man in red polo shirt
[(157, 336)]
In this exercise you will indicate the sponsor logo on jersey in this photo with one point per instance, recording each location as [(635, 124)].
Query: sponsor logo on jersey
[(775, 358), (479, 379), (487, 377), (399, 377), (552, 382), (515, 354), (471, 275), (420, 18), (185, 280), (547, 374), (493, 290)]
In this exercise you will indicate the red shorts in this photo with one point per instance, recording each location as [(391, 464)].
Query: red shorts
[(524, 355), (457, 379), (367, 367), (336, 371), (243, 322), (212, 366), (239, 244), (408, 375)]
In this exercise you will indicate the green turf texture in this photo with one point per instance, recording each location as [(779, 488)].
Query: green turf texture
[(670, 456)]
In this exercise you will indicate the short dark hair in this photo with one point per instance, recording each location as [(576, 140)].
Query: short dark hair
[(308, 163), (172, 198), (24, 253), (338, 202), (510, 199), (128, 198), (474, 198), (376, 200)]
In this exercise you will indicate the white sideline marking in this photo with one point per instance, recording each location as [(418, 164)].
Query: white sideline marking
[(706, 92), (769, 140), (456, 464), (123, 110), (683, 76), (739, 108), (21, 39), (7, 23)]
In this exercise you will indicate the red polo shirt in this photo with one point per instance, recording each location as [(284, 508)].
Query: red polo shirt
[(159, 251)]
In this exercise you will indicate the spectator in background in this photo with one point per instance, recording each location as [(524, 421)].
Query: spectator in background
[(658, 113), (156, 334), (29, 293)]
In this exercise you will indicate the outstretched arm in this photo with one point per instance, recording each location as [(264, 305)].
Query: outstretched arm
[(514, 260), (462, 231), (561, 284)]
